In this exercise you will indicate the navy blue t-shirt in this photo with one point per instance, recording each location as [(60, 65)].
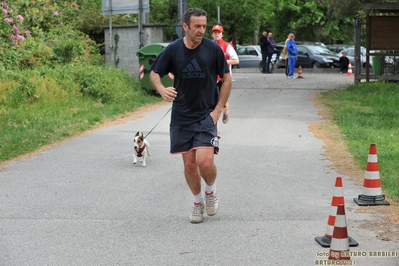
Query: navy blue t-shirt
[(195, 72)]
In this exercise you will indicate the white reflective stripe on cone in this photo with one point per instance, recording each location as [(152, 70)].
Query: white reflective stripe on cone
[(340, 244), (372, 158), (372, 175), (372, 191), (333, 210), (338, 192), (330, 230)]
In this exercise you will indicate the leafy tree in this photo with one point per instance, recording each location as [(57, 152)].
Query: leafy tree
[(33, 33), (238, 17), (327, 21), (165, 11), (12, 26), (46, 32)]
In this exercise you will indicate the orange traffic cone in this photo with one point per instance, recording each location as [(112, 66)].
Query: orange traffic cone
[(350, 69), (372, 194), (337, 199), (300, 72), (340, 244)]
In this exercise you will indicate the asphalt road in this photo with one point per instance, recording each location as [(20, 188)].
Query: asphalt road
[(83, 202)]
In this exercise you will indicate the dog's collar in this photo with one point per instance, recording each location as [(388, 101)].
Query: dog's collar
[(139, 151)]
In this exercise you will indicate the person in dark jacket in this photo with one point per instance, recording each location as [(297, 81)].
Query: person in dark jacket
[(343, 63), (264, 44), (270, 51)]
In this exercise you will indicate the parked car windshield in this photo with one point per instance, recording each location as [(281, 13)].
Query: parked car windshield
[(248, 50), (320, 50)]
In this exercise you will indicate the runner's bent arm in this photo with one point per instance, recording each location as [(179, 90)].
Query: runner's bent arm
[(223, 97), (168, 93), (233, 60)]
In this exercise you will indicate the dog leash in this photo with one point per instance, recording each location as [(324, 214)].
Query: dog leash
[(158, 122)]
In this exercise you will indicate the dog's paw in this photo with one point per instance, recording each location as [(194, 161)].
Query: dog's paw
[(134, 162), (143, 165)]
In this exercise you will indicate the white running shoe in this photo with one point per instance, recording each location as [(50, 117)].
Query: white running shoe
[(211, 202), (197, 213)]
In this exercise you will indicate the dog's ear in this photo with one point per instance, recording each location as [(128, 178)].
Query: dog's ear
[(142, 135), (137, 134)]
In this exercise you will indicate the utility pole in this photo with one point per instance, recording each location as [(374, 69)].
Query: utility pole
[(181, 7)]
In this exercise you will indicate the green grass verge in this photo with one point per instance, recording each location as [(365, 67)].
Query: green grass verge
[(368, 114)]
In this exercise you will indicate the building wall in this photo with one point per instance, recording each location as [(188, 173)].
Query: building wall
[(129, 44)]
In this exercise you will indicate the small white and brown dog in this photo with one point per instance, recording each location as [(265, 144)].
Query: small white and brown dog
[(141, 149)]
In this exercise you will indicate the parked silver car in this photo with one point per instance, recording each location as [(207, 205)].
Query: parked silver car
[(251, 56), (350, 53), (336, 48), (280, 60)]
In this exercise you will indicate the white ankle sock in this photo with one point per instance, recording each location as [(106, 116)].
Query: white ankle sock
[(198, 198), (209, 188)]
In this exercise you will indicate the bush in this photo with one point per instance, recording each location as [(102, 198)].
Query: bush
[(55, 38), (105, 84), (73, 46), (45, 84)]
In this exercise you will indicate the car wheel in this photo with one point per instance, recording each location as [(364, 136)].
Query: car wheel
[(316, 65), (271, 67), (260, 66)]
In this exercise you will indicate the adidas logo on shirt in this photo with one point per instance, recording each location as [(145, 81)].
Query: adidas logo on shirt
[(193, 70)]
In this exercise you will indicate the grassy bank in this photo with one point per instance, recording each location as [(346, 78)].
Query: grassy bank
[(368, 114), (43, 106)]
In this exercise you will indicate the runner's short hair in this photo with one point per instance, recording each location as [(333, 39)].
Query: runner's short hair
[(192, 12)]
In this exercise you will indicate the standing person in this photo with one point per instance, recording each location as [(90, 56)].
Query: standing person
[(231, 58), (270, 51), (292, 53), (285, 52), (343, 63), (264, 43), (197, 105), (232, 41)]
